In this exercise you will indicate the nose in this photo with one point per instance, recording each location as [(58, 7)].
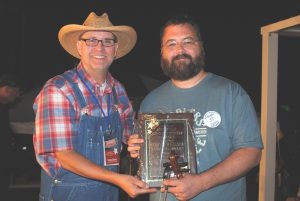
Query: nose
[(179, 48), (99, 45)]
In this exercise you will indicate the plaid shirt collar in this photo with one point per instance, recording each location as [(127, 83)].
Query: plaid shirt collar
[(91, 83)]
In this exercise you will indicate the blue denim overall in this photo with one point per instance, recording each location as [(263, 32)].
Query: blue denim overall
[(67, 186)]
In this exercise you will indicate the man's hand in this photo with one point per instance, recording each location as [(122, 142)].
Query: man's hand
[(133, 186), (134, 145), (233, 167), (184, 188)]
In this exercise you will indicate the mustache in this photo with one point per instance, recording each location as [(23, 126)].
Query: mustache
[(182, 56)]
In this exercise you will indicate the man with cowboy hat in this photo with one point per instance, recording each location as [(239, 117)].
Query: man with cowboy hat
[(83, 115)]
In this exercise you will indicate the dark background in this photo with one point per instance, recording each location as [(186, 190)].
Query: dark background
[(230, 29), (231, 33)]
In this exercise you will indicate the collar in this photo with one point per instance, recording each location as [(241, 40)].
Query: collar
[(109, 82)]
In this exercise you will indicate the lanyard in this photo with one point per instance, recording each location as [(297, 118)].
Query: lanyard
[(106, 118)]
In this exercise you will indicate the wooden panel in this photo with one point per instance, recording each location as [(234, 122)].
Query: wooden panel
[(268, 116)]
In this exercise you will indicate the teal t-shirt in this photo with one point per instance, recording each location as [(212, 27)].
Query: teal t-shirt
[(224, 120)]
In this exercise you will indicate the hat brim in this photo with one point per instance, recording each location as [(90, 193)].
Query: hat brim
[(69, 35)]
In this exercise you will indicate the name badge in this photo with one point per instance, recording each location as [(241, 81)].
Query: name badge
[(111, 153)]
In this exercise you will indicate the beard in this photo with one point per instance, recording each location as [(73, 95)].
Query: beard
[(182, 69)]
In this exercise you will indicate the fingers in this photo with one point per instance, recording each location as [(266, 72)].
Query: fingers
[(147, 190), (134, 139), (142, 191), (171, 182), (139, 183), (134, 145), (144, 187), (140, 187), (134, 151), (178, 187), (172, 185)]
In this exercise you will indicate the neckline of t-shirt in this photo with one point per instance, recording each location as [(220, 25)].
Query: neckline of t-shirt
[(202, 82)]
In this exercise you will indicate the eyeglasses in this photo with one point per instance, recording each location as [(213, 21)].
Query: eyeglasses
[(186, 43), (93, 42)]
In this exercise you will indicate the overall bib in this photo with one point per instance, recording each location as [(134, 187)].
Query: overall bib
[(67, 186)]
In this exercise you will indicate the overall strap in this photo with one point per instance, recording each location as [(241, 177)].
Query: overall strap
[(76, 89), (115, 96)]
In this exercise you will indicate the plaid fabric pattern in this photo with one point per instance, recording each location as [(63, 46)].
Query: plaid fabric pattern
[(58, 114)]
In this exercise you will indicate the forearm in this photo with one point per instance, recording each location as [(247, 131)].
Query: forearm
[(80, 165), (233, 167)]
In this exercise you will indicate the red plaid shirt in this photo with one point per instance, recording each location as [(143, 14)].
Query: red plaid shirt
[(58, 113)]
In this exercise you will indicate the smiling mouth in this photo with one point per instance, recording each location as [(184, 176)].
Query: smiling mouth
[(181, 57), (99, 56)]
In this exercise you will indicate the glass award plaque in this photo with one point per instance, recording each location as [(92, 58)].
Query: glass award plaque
[(166, 135)]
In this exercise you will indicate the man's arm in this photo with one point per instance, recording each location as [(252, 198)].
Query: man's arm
[(233, 167), (78, 164)]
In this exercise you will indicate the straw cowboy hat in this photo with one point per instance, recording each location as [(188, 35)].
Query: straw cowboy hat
[(69, 34)]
